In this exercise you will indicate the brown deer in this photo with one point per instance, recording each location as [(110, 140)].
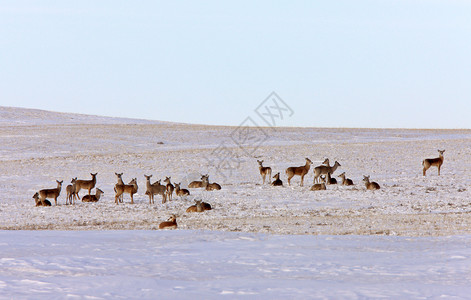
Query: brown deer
[(199, 206), (38, 201), (345, 181), (85, 184), (155, 188), (181, 192), (119, 177), (130, 188), (93, 198), (330, 180), (51, 193), (370, 185), (325, 169), (197, 184), (70, 189), (319, 186), (277, 181), (264, 171), (210, 186), (433, 162), (171, 223), (169, 188), (300, 171)]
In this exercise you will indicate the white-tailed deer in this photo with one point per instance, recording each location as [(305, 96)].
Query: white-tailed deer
[(171, 223), (85, 184), (300, 171), (330, 180), (70, 189), (40, 202), (181, 192), (210, 186), (93, 198), (119, 177), (433, 162), (169, 188), (130, 188), (345, 181), (277, 181), (51, 193), (155, 189), (370, 185), (197, 184), (319, 186), (264, 171), (324, 170), (199, 206)]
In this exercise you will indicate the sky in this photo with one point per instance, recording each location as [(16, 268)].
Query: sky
[(382, 64)]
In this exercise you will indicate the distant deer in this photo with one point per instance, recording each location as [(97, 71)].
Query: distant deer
[(277, 181), (181, 192), (325, 169), (345, 181), (210, 186), (433, 162), (51, 193), (119, 177), (330, 180), (155, 188), (319, 186), (70, 189), (130, 188), (370, 185), (38, 201), (171, 223), (300, 171), (197, 184), (85, 184), (93, 198), (170, 188), (199, 206), (264, 171)]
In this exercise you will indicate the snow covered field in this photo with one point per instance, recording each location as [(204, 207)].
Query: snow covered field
[(407, 240)]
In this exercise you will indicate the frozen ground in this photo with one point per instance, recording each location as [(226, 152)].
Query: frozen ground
[(412, 222)]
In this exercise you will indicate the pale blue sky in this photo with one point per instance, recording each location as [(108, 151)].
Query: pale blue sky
[(335, 63)]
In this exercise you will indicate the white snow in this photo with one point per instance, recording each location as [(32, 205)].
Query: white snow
[(408, 240)]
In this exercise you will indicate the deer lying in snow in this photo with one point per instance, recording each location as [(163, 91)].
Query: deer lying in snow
[(93, 198), (277, 181), (345, 181), (370, 185), (38, 201), (199, 206), (171, 223), (181, 192), (319, 186)]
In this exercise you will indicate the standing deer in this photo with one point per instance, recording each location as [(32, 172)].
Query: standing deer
[(210, 186), (93, 198), (197, 184), (277, 181), (119, 177), (155, 188), (170, 188), (370, 185), (70, 189), (325, 170), (264, 171), (345, 181), (130, 188), (85, 184), (171, 223), (319, 186), (38, 201), (300, 171), (181, 192), (51, 193), (433, 162)]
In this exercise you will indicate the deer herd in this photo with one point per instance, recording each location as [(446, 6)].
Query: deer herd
[(322, 177)]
